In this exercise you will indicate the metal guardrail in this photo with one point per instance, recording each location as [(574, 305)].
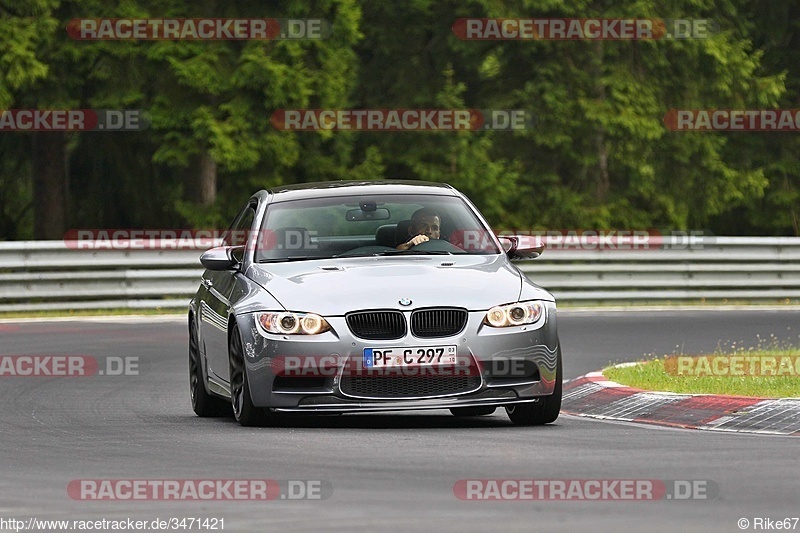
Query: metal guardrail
[(711, 268), (48, 275)]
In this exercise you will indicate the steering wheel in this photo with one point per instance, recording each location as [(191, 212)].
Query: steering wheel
[(436, 245)]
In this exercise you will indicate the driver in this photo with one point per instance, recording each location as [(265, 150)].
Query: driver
[(424, 227)]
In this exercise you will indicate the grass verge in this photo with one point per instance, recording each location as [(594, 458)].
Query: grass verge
[(760, 373)]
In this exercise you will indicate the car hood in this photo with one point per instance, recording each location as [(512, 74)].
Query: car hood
[(335, 287)]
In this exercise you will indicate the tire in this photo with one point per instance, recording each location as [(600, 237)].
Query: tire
[(546, 410), (243, 409), (473, 411), (203, 403)]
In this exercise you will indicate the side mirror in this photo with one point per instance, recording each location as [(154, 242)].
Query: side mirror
[(519, 247), (221, 258)]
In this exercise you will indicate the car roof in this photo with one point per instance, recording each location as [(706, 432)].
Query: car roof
[(348, 188)]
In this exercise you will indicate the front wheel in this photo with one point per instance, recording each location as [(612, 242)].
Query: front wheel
[(546, 410), (203, 403), (243, 409)]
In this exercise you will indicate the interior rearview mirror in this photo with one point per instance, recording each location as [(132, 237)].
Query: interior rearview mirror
[(356, 215)]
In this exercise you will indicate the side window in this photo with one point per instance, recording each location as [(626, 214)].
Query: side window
[(239, 231)]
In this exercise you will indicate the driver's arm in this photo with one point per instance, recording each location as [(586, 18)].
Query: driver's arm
[(413, 242)]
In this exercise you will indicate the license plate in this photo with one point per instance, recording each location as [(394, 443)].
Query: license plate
[(418, 356)]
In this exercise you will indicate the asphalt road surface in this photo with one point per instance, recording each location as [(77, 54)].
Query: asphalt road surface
[(392, 472)]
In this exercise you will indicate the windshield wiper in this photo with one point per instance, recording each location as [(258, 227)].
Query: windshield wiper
[(418, 252), (290, 259), (396, 252)]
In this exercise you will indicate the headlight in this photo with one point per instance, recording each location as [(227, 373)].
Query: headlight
[(288, 323), (518, 314)]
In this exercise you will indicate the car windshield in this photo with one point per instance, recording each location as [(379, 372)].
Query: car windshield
[(373, 225)]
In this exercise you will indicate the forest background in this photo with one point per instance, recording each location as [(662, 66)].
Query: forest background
[(598, 157)]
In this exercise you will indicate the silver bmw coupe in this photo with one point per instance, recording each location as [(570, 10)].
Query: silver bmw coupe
[(345, 297)]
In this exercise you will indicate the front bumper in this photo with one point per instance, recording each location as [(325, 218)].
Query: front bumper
[(514, 365)]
